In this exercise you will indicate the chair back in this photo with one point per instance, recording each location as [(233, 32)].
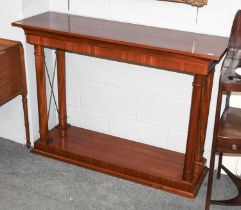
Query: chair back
[(235, 35), (233, 57)]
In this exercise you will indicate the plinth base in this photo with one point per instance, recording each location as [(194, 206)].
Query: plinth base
[(141, 163)]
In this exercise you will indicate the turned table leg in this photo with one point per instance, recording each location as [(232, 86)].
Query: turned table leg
[(203, 121), (41, 92), (60, 56), (193, 127), (24, 96), (26, 122)]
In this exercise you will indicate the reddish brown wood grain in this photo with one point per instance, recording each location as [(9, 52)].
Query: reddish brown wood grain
[(178, 51), (229, 133), (13, 77), (203, 120), (41, 91), (165, 40), (10, 74), (195, 110), (143, 45), (60, 56), (130, 160)]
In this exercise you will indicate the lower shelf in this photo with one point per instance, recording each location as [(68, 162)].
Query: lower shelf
[(141, 163)]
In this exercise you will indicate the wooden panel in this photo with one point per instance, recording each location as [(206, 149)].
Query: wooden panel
[(10, 73), (5, 43), (229, 131), (230, 124), (129, 54), (185, 43), (134, 161), (228, 146), (13, 78)]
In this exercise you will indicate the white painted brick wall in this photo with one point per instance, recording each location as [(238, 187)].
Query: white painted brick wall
[(122, 127), (140, 103), (88, 119), (97, 8), (72, 91), (129, 101), (108, 99), (165, 112), (84, 68), (153, 135), (177, 140)]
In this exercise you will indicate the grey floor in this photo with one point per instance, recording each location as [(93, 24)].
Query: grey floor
[(31, 182)]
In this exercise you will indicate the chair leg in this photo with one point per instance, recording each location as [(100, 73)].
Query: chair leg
[(210, 180), (220, 159), (26, 122), (236, 201), (212, 159)]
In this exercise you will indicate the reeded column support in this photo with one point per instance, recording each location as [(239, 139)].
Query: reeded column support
[(203, 121), (193, 127), (41, 92), (60, 56)]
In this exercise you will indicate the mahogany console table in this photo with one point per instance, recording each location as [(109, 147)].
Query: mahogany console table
[(185, 52)]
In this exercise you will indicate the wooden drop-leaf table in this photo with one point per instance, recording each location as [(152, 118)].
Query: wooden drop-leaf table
[(13, 77)]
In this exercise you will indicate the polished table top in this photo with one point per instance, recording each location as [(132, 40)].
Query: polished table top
[(166, 40)]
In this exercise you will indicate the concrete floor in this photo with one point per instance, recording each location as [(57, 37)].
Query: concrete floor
[(31, 182)]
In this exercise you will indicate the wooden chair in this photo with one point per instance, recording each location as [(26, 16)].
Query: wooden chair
[(227, 130)]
